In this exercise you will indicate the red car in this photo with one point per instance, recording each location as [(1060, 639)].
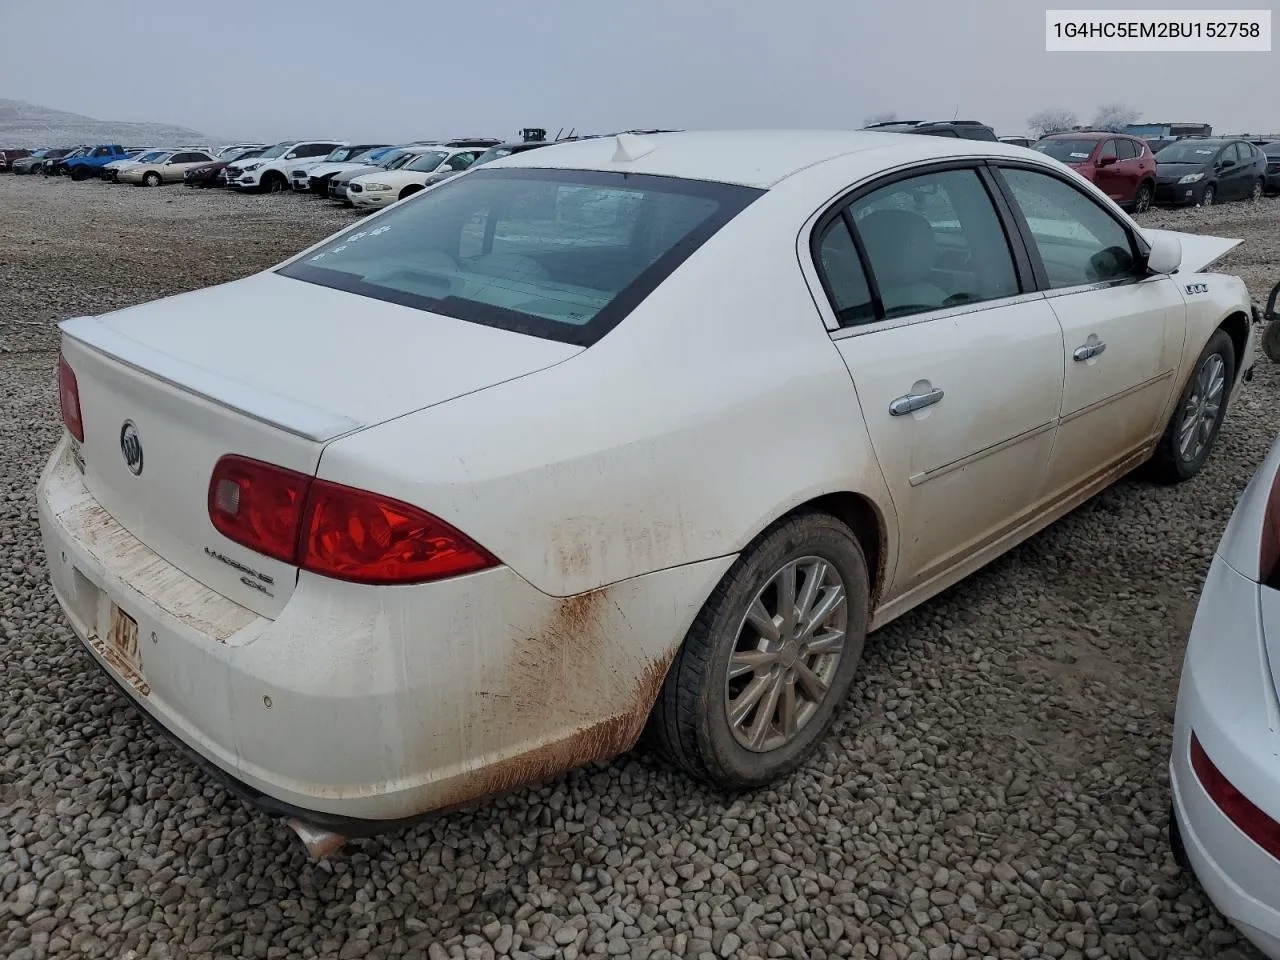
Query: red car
[(1122, 167)]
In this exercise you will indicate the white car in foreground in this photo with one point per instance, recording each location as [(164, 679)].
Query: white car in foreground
[(619, 433), (382, 188), (1225, 767)]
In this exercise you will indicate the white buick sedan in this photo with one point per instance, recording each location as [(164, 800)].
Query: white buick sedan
[(618, 434)]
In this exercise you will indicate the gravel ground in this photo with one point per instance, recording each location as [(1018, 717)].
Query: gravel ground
[(996, 786)]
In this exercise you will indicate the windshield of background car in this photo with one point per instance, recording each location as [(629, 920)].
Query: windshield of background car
[(396, 161), (148, 157), (558, 254), (1272, 149), (426, 162), (1067, 151), (279, 150), (368, 156), (1189, 151), (493, 153), (339, 154)]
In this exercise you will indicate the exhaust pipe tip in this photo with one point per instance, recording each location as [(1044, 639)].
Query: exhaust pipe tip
[(320, 843)]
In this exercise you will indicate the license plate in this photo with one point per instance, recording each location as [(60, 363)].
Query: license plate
[(122, 641)]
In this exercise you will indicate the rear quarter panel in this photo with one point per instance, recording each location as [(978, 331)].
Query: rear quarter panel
[(718, 405)]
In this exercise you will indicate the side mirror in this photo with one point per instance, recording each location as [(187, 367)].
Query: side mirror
[(291, 156), (1166, 254), (1226, 164), (1106, 161)]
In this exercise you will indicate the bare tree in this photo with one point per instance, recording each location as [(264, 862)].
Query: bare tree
[(1052, 120), (1114, 117), (884, 116)]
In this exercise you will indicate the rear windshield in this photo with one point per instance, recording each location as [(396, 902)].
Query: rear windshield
[(1067, 151), (558, 254)]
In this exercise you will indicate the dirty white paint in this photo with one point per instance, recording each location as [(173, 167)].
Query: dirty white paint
[(616, 485)]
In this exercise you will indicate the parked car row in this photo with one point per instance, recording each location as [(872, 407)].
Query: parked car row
[(1199, 171)]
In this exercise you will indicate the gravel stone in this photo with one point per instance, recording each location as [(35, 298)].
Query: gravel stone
[(995, 785)]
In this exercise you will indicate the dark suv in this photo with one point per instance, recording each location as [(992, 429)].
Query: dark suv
[(963, 129)]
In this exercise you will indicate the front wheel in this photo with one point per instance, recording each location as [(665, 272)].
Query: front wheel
[(1193, 428), (769, 658), (79, 173), (1209, 196), (152, 179), (1142, 199), (274, 183)]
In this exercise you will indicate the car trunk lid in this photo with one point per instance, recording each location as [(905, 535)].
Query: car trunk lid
[(268, 368)]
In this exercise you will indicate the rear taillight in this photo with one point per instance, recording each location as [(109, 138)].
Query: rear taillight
[(1269, 552), (335, 530), (258, 505), (69, 399), (1255, 824)]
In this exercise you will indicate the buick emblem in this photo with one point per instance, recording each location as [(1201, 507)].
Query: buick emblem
[(131, 447)]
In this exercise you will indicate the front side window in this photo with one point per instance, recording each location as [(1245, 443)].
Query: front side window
[(1078, 241), (559, 254), (934, 241), (1108, 150)]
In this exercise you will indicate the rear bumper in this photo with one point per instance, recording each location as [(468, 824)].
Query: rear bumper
[(1227, 698), (365, 703)]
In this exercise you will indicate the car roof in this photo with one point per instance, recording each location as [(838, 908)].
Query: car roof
[(754, 158)]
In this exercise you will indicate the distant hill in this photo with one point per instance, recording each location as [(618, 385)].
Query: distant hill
[(28, 125)]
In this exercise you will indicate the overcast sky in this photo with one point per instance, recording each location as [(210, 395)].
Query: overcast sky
[(400, 69)]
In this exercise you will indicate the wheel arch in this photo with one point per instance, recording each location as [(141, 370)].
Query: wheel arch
[(1236, 326)]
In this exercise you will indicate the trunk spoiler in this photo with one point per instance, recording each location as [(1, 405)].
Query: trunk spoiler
[(302, 420), (1198, 251)]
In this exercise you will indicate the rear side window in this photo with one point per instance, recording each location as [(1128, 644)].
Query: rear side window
[(934, 241), (846, 280), (560, 254)]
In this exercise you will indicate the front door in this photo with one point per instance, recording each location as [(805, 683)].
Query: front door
[(1122, 331), (958, 371)]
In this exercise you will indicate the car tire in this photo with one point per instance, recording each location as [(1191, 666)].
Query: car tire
[(151, 179), (1259, 189), (691, 724), (79, 173), (1197, 418), (273, 182), (409, 191), (1209, 196), (1142, 199)]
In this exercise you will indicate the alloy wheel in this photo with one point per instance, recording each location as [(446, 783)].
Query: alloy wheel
[(1142, 202), (1200, 411), (788, 648)]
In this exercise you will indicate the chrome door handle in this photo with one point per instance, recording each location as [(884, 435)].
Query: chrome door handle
[(913, 402), (1090, 349)]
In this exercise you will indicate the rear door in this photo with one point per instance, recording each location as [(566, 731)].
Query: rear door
[(1128, 168), (958, 372), (1122, 331)]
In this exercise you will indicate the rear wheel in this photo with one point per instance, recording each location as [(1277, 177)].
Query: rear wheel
[(1142, 199), (1209, 196), (769, 658), (1258, 188), (1193, 428)]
